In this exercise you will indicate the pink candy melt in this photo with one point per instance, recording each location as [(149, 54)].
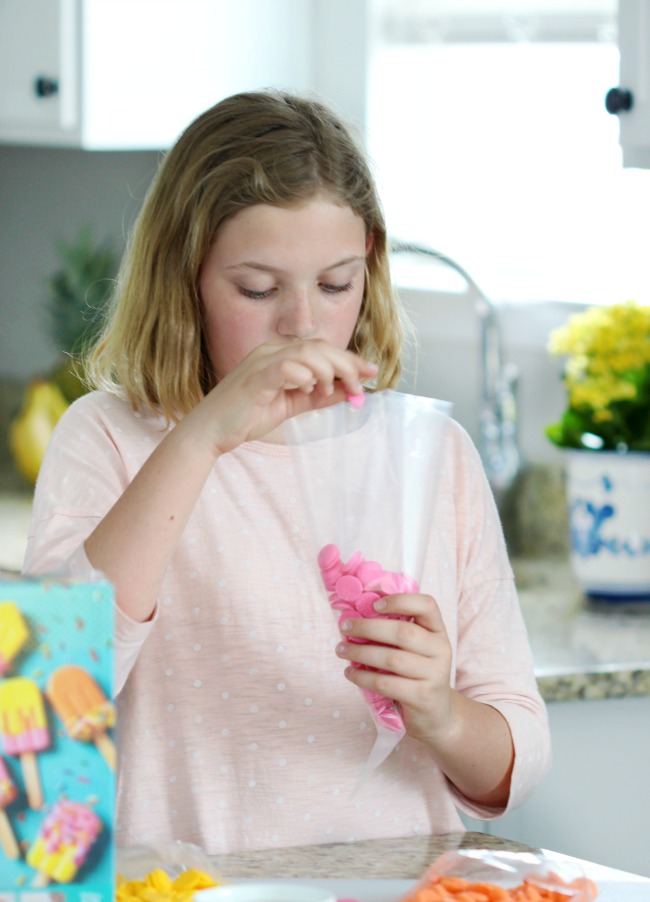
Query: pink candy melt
[(328, 557), (365, 604), (349, 588), (356, 400), (385, 710), (368, 570), (354, 588)]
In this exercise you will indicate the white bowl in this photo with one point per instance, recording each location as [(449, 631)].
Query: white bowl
[(255, 891)]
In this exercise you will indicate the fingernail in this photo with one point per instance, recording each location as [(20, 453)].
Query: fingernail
[(380, 605), (346, 626), (342, 649)]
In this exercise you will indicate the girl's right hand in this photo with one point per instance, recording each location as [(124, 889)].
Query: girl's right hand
[(273, 383)]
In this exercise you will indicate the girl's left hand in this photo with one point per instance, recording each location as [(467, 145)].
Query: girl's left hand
[(410, 661)]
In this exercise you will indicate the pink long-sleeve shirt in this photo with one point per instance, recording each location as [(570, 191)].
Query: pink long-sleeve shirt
[(236, 727)]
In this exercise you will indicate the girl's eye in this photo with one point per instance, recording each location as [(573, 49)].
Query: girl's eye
[(336, 289), (256, 295), (327, 287)]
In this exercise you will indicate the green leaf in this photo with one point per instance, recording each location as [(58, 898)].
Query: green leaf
[(79, 291)]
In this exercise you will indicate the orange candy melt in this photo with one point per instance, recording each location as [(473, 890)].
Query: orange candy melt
[(457, 889)]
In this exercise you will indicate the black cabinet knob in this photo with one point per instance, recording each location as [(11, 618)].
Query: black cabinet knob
[(618, 100), (44, 86)]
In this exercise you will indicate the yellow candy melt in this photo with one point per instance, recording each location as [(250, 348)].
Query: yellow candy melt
[(193, 880), (158, 886), (159, 880)]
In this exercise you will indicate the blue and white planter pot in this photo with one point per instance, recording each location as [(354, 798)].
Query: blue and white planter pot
[(608, 496)]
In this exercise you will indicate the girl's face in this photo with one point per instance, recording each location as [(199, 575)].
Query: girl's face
[(277, 273)]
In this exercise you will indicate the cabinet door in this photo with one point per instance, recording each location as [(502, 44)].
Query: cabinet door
[(594, 802), (38, 60), (150, 66), (634, 46), (131, 74)]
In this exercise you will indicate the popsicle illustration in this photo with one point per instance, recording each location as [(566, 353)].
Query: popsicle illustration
[(64, 840), (13, 634), (83, 707), (24, 730), (8, 794)]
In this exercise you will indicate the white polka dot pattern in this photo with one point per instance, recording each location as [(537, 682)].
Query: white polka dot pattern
[(237, 728)]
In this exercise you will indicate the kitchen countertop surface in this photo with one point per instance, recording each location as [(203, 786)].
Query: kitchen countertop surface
[(388, 858), (396, 864), (581, 650)]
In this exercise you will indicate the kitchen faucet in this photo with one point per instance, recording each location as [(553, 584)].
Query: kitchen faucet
[(498, 445)]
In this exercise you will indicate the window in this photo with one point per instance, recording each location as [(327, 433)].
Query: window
[(491, 143)]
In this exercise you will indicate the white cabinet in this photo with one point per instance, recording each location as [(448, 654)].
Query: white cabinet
[(30, 50), (594, 802), (630, 99), (131, 74)]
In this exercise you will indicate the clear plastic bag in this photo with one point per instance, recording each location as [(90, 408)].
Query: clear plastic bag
[(135, 862), (368, 475), (499, 876)]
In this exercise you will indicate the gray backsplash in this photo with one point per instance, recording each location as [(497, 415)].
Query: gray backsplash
[(11, 397), (534, 514)]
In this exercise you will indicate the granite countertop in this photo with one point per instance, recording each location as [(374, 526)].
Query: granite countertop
[(581, 651), (386, 859), (384, 869)]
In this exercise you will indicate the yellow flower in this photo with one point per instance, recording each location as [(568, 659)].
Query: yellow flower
[(606, 374), (617, 336)]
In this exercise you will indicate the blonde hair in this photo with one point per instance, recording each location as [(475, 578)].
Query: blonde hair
[(252, 148)]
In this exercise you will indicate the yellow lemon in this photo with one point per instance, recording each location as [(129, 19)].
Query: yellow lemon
[(30, 432)]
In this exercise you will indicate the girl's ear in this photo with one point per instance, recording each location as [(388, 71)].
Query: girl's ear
[(370, 240)]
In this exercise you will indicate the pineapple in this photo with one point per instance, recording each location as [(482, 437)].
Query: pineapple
[(79, 291)]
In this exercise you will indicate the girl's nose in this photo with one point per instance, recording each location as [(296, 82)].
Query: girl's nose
[(298, 318)]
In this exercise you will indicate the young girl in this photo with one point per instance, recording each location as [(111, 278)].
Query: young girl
[(256, 287)]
